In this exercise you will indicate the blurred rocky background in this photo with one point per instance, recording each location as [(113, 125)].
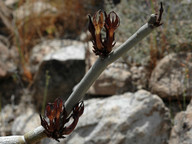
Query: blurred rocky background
[(144, 97)]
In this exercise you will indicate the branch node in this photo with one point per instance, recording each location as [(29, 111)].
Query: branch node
[(155, 19)]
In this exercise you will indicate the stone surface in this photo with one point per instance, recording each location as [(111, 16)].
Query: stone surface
[(34, 8), (50, 48), (8, 57), (172, 76), (59, 70), (181, 132), (26, 121), (18, 118), (11, 3), (130, 118), (115, 79), (139, 77), (6, 119)]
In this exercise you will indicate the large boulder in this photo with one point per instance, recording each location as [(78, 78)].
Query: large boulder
[(172, 76), (48, 47), (134, 118), (58, 72), (181, 132)]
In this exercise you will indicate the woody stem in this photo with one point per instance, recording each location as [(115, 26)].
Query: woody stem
[(101, 63)]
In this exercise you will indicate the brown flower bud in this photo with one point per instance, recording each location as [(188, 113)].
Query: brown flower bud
[(56, 118), (103, 46)]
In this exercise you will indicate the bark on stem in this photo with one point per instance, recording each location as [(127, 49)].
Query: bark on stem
[(102, 63)]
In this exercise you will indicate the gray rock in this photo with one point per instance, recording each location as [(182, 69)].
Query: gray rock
[(49, 49), (112, 81), (26, 122), (181, 132), (68, 53), (60, 70), (134, 118), (186, 2), (34, 8), (172, 76), (115, 79), (6, 120), (11, 3), (8, 57), (139, 77)]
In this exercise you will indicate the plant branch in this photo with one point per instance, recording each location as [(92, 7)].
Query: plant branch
[(78, 94), (101, 63)]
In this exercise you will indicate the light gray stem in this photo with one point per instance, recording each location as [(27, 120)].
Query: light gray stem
[(78, 94), (35, 135), (12, 140), (102, 63), (30, 137)]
